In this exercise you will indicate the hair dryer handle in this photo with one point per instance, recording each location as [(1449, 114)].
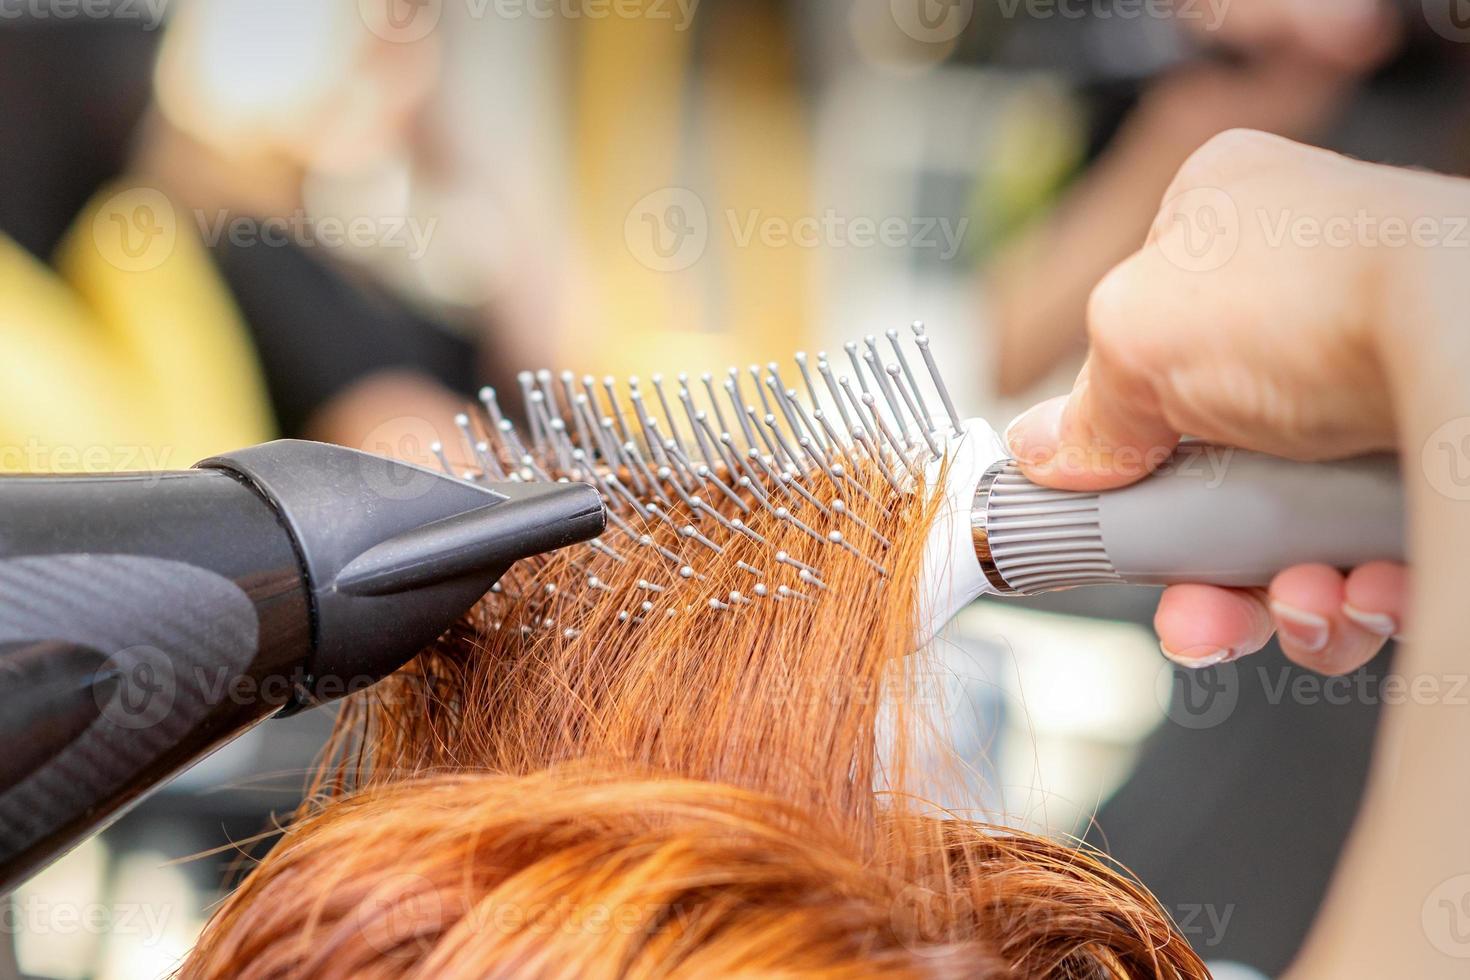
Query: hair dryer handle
[(1211, 514)]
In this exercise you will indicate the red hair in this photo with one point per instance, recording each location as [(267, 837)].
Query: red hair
[(637, 731)]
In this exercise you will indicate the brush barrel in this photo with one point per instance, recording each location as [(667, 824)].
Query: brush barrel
[(1210, 515)]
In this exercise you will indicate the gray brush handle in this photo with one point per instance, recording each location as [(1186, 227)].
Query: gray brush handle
[(1211, 515)]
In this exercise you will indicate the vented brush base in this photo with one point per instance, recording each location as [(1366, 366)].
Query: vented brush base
[(1031, 539)]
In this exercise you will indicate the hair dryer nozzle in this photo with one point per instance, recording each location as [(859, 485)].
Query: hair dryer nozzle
[(394, 553)]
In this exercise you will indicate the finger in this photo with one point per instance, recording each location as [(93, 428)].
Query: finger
[(1352, 36), (1348, 37), (1203, 625), (1073, 443), (1306, 605), (1376, 597)]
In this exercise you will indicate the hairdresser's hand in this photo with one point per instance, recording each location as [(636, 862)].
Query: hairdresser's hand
[(1350, 37), (1264, 312)]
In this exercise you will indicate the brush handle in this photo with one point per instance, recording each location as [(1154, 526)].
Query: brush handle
[(1211, 515)]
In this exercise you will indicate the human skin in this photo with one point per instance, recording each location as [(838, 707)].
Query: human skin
[(1278, 340), (1295, 64)]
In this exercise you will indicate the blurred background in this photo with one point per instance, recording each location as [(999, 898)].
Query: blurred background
[(223, 221)]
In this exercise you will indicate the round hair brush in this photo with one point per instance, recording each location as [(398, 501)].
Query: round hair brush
[(750, 441)]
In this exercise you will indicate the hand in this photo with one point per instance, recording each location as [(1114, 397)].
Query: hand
[(1263, 312), (1350, 36)]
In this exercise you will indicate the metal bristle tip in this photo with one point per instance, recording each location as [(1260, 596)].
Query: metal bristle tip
[(737, 467)]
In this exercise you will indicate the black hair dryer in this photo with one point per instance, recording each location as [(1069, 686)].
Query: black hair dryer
[(145, 619)]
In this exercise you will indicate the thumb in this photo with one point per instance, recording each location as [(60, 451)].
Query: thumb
[(1110, 431)]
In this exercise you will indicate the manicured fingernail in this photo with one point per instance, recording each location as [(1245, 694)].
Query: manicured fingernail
[(1036, 430), (1198, 658), (1379, 624), (1306, 631)]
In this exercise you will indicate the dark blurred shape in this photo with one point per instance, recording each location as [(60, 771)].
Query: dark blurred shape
[(1237, 810), (1246, 819), (73, 93), (318, 328)]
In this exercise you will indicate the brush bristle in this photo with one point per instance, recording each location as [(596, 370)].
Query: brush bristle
[(745, 470)]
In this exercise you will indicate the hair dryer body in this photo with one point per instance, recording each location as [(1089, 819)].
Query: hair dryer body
[(147, 619)]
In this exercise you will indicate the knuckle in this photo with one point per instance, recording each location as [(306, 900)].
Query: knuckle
[(1229, 157), (1118, 341), (1228, 154), (1107, 319)]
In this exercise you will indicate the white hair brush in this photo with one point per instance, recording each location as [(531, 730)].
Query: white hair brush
[(1209, 515)]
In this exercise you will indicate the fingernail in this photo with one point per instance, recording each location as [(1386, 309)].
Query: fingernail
[(1306, 631), (1036, 430), (1198, 658), (1379, 624)]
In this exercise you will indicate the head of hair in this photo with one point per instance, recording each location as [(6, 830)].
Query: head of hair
[(690, 751)]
